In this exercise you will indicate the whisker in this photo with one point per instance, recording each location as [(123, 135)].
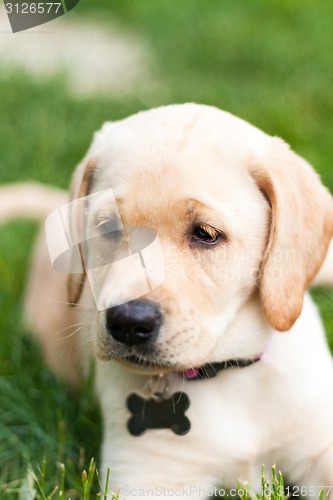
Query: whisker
[(205, 369), (85, 342), (66, 303), (73, 333), (65, 328)]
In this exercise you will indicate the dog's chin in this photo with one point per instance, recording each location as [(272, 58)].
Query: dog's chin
[(142, 366)]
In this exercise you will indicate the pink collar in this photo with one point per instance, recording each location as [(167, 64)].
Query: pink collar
[(210, 370)]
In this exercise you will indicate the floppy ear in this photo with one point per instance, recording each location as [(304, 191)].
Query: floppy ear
[(301, 229), (81, 186)]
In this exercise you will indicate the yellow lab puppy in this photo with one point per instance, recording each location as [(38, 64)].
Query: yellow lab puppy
[(191, 240)]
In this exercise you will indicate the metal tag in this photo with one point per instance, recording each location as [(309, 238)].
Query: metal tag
[(158, 413)]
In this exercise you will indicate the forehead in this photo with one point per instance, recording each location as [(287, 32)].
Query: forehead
[(155, 162)]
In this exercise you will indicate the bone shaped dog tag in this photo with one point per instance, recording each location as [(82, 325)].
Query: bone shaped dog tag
[(160, 413)]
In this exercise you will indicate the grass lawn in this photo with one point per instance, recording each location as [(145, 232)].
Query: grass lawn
[(268, 62)]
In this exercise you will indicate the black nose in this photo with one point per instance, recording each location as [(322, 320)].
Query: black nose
[(135, 322)]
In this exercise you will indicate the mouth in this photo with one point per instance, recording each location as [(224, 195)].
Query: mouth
[(142, 365)]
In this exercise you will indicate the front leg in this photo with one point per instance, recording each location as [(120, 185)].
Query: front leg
[(152, 466), (319, 474), (307, 463)]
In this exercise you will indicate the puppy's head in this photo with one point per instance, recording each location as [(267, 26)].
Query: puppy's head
[(242, 224)]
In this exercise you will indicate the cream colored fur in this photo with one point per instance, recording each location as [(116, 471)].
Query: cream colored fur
[(168, 168)]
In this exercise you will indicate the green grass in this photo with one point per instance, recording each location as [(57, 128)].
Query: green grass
[(268, 62), (272, 488), (35, 484)]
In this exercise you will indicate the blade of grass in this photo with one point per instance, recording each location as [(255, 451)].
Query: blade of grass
[(62, 482)]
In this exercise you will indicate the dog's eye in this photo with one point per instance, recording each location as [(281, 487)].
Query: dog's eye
[(109, 229), (206, 235)]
